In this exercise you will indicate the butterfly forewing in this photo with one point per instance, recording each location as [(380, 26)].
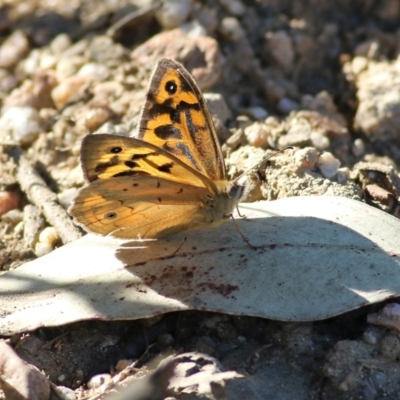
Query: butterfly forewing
[(108, 156), (175, 117)]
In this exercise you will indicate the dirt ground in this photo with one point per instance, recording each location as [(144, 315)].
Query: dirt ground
[(317, 75)]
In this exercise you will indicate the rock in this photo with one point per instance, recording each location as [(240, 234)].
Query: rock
[(8, 201), (173, 13), (22, 124), (13, 49), (188, 50), (328, 165), (378, 113), (67, 90), (19, 380), (231, 29), (279, 46)]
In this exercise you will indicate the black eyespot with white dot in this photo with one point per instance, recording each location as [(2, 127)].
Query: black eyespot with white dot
[(115, 150), (171, 87), (110, 215)]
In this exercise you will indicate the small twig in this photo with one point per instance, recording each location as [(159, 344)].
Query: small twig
[(39, 194), (131, 17)]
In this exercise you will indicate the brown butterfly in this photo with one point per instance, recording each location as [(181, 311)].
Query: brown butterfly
[(171, 179)]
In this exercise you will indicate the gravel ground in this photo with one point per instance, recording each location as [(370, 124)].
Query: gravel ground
[(321, 76)]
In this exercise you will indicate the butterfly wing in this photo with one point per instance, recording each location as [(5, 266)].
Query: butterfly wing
[(140, 207), (175, 117), (106, 156)]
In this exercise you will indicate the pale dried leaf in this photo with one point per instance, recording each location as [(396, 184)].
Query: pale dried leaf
[(317, 257)]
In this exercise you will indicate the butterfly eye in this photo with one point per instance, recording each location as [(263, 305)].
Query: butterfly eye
[(115, 150), (110, 215), (171, 87)]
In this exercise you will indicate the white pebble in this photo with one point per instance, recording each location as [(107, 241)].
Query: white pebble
[(41, 249), (23, 124), (257, 134), (95, 71), (49, 235), (98, 380), (358, 147), (319, 141), (13, 216), (13, 49), (343, 175), (328, 165), (60, 43), (67, 89)]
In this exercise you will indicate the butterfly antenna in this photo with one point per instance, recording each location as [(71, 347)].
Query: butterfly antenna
[(260, 162)]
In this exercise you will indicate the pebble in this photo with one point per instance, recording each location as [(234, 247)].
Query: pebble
[(173, 13), (67, 89), (60, 43), (8, 201), (379, 97), (47, 241), (320, 141), (68, 66), (218, 107), (280, 48), (369, 337), (41, 249), (13, 216), (234, 7), (165, 340), (96, 117), (50, 236), (122, 364), (256, 112), (358, 148), (98, 380), (19, 379), (388, 316), (23, 124), (64, 393), (343, 175), (358, 65), (31, 344), (95, 71), (47, 60), (286, 105), (231, 29), (189, 49), (257, 134), (13, 49), (306, 158), (328, 165)]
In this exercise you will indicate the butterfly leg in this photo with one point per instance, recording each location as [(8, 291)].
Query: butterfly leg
[(238, 211), (178, 248), (241, 234)]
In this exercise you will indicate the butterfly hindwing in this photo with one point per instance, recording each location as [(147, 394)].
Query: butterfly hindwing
[(175, 117), (132, 207)]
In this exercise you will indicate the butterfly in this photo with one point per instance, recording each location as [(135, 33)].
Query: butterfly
[(169, 179)]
